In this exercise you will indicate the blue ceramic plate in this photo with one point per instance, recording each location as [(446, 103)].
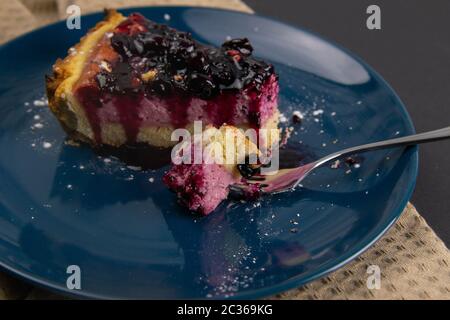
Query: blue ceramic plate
[(62, 205)]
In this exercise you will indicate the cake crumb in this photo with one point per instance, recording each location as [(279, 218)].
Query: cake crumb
[(104, 65), (286, 135), (283, 118), (336, 164), (297, 116)]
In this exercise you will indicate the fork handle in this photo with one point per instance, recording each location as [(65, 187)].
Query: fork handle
[(414, 139)]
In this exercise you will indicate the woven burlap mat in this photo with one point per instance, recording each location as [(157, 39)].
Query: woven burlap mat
[(414, 262)]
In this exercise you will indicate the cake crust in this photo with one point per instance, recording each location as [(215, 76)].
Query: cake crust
[(66, 73)]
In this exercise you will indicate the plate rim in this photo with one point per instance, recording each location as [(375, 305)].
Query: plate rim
[(294, 281)]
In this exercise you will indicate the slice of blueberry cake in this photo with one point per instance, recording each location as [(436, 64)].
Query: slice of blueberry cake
[(131, 80)]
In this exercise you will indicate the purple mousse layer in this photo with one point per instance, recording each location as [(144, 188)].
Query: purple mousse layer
[(247, 107), (199, 187)]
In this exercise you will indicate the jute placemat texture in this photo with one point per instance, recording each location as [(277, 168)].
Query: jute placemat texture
[(15, 19), (414, 262)]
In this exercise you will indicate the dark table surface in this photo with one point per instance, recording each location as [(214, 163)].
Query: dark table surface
[(412, 52)]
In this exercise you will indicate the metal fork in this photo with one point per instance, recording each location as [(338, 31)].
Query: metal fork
[(288, 179)]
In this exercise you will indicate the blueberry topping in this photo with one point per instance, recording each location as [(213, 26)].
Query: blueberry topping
[(201, 85), (248, 170), (121, 43), (245, 170), (296, 118), (162, 87), (353, 160), (243, 46), (180, 62)]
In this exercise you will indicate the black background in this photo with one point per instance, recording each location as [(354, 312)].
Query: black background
[(412, 52)]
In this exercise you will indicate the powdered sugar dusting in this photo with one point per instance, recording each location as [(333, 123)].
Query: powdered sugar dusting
[(46, 145)]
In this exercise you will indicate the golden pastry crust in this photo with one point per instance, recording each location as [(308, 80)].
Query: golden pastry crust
[(66, 73)]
